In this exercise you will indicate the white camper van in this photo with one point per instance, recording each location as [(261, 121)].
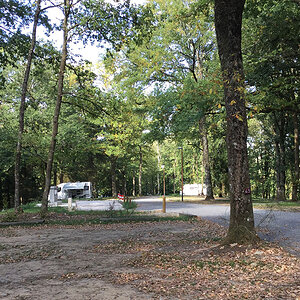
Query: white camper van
[(74, 190)]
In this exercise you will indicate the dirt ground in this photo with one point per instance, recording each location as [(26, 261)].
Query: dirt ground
[(151, 260)]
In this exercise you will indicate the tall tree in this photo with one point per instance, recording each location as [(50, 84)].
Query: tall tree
[(228, 23), (22, 105), (66, 10)]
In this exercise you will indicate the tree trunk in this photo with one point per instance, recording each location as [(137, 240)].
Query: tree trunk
[(124, 185), (158, 167), (22, 106), (193, 170), (279, 127), (55, 175), (296, 159), (206, 165), (140, 171), (174, 177), (133, 185), (228, 23), (57, 107), (61, 177), (202, 181), (113, 162)]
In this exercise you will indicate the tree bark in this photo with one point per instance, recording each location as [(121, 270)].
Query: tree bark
[(113, 162), (57, 107), (22, 106), (140, 171), (228, 23), (296, 158), (206, 165)]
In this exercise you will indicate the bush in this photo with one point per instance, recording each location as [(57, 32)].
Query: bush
[(10, 216), (129, 207)]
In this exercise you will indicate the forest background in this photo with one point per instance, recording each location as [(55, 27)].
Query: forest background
[(156, 88)]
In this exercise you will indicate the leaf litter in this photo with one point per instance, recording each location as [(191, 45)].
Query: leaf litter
[(155, 260)]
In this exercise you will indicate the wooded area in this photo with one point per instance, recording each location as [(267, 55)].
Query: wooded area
[(159, 85)]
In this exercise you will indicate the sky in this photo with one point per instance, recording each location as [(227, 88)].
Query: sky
[(89, 52)]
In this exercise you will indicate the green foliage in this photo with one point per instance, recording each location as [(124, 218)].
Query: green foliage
[(158, 78), (272, 51), (10, 216), (129, 207)]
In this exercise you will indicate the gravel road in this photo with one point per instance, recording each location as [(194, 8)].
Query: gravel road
[(273, 225)]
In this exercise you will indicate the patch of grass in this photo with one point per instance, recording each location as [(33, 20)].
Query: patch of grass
[(31, 208), (257, 202)]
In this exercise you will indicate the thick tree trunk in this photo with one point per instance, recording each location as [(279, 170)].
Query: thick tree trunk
[(296, 158), (279, 127), (228, 23), (22, 106), (57, 107), (140, 171), (206, 165), (113, 162)]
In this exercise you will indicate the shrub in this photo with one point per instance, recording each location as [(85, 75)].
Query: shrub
[(129, 207), (10, 216)]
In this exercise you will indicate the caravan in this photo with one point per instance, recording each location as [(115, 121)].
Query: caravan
[(74, 190)]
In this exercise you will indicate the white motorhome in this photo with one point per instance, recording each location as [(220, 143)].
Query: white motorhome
[(195, 189), (74, 190)]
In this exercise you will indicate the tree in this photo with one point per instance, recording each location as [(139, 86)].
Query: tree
[(271, 48), (67, 8), (22, 105), (228, 23), (178, 50)]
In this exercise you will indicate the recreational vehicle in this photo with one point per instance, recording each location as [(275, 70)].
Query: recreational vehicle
[(74, 190)]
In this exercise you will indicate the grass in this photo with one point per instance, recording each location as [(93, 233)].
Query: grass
[(257, 202), (61, 216), (32, 208)]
